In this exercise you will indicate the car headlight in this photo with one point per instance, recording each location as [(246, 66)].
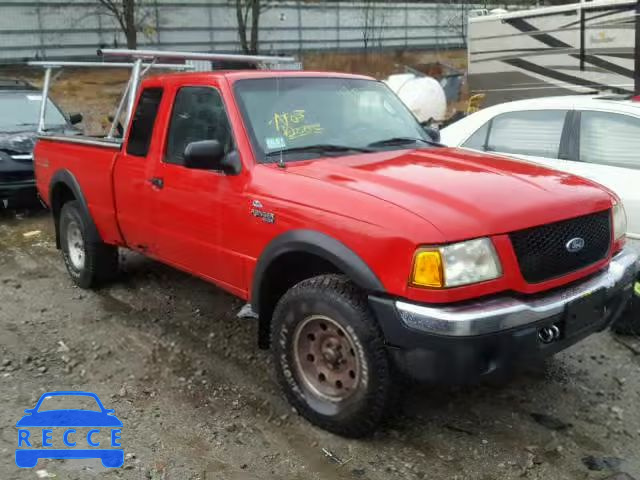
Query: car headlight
[(619, 221), (456, 265)]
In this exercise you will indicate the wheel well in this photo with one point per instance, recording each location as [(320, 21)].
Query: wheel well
[(60, 194), (282, 274)]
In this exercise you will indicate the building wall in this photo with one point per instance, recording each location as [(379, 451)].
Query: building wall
[(53, 29)]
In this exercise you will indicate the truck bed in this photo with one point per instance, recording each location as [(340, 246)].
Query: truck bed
[(90, 161)]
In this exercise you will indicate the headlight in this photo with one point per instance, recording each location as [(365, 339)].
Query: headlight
[(456, 265), (619, 221)]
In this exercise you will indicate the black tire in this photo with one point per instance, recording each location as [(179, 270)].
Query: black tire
[(629, 321), (334, 297), (100, 261)]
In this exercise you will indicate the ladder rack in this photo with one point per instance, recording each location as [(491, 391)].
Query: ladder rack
[(49, 66), (155, 55), (136, 62)]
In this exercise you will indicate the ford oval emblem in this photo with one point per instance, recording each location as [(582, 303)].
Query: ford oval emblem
[(575, 245)]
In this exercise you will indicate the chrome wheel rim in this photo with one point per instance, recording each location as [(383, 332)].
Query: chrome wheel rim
[(325, 358), (75, 245)]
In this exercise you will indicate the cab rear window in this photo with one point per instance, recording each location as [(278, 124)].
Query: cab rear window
[(144, 119)]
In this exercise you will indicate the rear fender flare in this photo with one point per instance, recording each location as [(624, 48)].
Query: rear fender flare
[(66, 178)]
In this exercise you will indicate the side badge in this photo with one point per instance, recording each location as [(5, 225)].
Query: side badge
[(256, 211)]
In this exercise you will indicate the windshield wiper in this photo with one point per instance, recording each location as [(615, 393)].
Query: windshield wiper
[(400, 141), (319, 148)]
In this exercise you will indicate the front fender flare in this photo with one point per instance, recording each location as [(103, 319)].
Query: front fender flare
[(322, 245)]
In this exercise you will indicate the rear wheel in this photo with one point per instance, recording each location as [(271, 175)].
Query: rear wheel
[(330, 356), (89, 263)]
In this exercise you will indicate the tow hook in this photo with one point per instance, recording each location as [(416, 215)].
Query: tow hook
[(549, 334)]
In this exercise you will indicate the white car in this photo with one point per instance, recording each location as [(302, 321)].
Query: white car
[(594, 137)]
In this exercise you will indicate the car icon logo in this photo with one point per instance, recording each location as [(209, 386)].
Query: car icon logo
[(103, 429), (575, 245)]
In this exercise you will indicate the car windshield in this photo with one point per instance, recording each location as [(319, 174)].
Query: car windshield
[(298, 118), (21, 110), (65, 402)]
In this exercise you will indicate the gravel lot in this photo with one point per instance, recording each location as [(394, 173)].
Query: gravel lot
[(198, 400)]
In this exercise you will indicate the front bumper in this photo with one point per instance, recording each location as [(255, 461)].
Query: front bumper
[(464, 342)]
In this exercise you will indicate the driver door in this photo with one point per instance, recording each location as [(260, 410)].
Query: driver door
[(189, 209)]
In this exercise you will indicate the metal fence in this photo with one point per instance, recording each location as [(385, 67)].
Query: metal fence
[(51, 29)]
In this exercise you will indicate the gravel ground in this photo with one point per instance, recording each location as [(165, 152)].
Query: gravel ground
[(199, 401)]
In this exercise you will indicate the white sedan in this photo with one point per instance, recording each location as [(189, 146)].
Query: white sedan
[(594, 137)]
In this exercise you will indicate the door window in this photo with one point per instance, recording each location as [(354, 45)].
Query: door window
[(534, 132), (610, 139), (478, 140), (143, 120), (198, 114)]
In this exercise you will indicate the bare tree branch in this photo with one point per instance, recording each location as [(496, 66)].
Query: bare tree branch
[(250, 11), (372, 24), (124, 11)]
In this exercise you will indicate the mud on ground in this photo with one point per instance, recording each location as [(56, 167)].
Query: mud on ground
[(199, 401)]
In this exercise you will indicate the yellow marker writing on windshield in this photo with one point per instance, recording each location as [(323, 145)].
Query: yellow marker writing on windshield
[(291, 125)]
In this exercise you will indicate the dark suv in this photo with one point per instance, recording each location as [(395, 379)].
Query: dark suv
[(19, 113)]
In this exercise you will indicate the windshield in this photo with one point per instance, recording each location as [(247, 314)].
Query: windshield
[(298, 118), (21, 110)]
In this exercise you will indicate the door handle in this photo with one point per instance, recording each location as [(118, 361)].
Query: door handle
[(156, 182)]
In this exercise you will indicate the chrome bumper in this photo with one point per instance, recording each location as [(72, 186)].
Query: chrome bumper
[(503, 313)]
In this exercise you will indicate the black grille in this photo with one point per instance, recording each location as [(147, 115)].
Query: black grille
[(542, 251)]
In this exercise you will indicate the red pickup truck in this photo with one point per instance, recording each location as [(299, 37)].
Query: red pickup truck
[(367, 251)]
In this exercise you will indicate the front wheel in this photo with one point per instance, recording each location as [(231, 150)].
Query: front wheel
[(88, 262), (330, 356)]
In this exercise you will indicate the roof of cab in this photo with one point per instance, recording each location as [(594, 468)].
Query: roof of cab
[(235, 75)]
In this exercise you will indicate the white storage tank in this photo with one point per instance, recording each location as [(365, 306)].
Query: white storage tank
[(424, 96)]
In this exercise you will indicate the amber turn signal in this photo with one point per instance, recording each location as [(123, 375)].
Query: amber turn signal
[(427, 269)]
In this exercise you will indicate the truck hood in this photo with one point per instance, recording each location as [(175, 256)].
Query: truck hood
[(463, 194)]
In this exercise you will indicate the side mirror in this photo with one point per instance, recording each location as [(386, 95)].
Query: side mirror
[(209, 155), (203, 155), (75, 118)]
